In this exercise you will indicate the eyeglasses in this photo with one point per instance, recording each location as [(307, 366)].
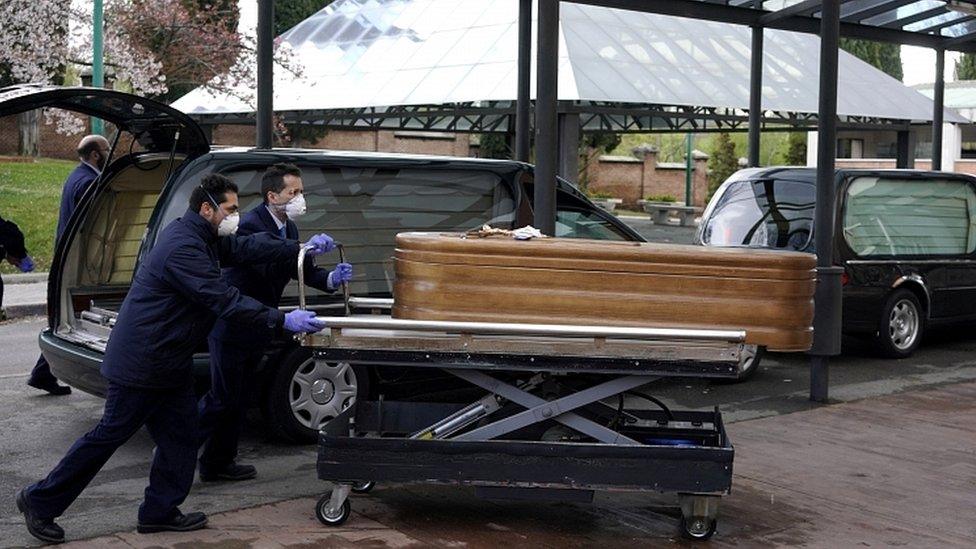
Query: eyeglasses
[(210, 196)]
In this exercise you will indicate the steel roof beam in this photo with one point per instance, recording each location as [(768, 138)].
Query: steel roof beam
[(959, 40), (807, 8), (693, 9), (921, 16), (945, 24), (855, 12)]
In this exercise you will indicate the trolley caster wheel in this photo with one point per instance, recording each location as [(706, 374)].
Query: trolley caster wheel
[(332, 518), (363, 487), (697, 528)]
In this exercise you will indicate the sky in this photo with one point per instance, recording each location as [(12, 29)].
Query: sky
[(918, 65)]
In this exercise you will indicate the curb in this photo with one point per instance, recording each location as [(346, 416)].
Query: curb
[(24, 310), (24, 278)]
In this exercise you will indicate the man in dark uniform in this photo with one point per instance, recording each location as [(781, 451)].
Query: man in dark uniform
[(236, 349), (13, 250), (175, 297), (92, 155)]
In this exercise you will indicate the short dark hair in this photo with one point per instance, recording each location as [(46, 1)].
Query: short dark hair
[(91, 146), (213, 186), (274, 178)]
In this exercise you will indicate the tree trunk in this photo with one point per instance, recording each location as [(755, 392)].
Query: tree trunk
[(29, 125)]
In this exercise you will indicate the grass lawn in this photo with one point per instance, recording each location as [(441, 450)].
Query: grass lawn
[(30, 196)]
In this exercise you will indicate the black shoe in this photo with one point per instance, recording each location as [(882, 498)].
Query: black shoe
[(179, 523), (42, 529), (232, 472), (51, 386)]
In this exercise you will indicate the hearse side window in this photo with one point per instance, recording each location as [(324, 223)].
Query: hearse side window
[(764, 213), (364, 209), (888, 217)]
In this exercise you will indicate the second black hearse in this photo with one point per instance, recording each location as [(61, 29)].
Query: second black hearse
[(905, 238)]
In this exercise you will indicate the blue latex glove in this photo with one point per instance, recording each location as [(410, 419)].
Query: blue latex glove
[(321, 244), (26, 264), (342, 273), (301, 321)]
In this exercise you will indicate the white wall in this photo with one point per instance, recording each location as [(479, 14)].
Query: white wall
[(813, 138), (951, 146), (952, 136)]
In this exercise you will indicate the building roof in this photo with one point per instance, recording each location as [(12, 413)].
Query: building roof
[(958, 95), (372, 53)]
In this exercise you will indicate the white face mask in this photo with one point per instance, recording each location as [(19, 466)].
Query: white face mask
[(228, 225), (295, 207)]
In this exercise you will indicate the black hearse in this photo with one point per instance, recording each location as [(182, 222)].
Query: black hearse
[(363, 199), (905, 238)]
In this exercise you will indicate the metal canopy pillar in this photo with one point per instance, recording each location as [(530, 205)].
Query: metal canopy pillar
[(827, 316), (522, 127), (905, 149), (755, 95), (689, 166), (569, 143), (547, 72), (265, 73), (98, 73), (938, 102)]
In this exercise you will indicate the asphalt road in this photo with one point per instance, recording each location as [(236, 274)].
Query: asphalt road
[(36, 430)]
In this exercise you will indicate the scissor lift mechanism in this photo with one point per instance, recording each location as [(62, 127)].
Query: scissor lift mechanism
[(552, 424)]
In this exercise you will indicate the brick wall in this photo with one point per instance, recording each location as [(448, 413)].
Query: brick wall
[(8, 135), (233, 135), (877, 163), (424, 143), (51, 144), (960, 165), (349, 141), (618, 175), (632, 178), (438, 143)]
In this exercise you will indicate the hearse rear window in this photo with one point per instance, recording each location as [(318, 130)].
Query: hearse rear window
[(365, 207), (889, 217)]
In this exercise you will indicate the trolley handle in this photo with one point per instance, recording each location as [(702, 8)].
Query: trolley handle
[(301, 276)]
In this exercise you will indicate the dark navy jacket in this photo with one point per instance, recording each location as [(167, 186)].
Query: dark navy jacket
[(266, 281), (263, 281), (77, 183), (176, 296)]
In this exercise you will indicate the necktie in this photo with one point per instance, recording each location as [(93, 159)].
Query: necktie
[(282, 230)]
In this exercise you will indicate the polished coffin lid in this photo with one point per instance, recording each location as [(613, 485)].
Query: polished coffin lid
[(451, 276)]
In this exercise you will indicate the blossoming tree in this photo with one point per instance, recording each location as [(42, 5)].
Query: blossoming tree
[(155, 48)]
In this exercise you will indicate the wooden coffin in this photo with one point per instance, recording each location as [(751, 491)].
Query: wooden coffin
[(446, 276)]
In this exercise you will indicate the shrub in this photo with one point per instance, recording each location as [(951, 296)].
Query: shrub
[(722, 163), (662, 198), (598, 194)]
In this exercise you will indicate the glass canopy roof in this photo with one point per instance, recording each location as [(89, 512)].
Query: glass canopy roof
[(379, 53)]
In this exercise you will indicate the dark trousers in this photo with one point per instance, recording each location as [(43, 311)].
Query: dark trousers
[(169, 416), (42, 372), (221, 410)]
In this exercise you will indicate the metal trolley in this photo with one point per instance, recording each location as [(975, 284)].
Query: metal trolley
[(553, 422)]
